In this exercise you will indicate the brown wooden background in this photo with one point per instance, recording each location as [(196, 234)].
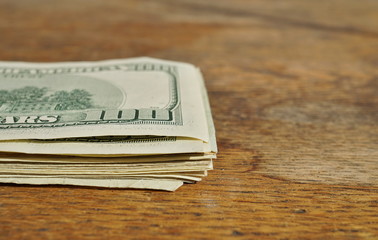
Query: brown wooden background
[(293, 86)]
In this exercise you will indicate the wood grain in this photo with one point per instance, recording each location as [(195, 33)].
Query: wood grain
[(294, 92)]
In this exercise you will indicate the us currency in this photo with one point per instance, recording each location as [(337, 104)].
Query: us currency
[(111, 98), (142, 111), (114, 169), (45, 158), (165, 184), (108, 146)]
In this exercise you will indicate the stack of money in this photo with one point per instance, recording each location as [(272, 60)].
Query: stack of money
[(130, 123)]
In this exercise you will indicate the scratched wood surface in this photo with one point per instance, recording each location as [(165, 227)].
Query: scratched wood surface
[(293, 86)]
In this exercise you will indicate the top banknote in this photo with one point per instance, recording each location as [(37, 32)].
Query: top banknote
[(139, 96)]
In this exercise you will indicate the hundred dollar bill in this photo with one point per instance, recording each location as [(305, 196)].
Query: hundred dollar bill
[(140, 96), (108, 146), (99, 169), (45, 158), (154, 184)]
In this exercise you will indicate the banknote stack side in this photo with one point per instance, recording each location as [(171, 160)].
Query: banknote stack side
[(129, 123)]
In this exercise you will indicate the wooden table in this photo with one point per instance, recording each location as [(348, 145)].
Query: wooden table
[(294, 91)]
